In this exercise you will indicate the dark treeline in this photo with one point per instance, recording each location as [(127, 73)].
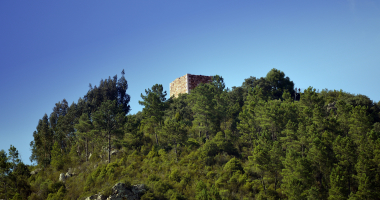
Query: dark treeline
[(262, 140)]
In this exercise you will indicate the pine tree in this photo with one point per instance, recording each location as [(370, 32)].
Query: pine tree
[(84, 130), (42, 143), (279, 83), (260, 163), (57, 157), (108, 120), (342, 176), (175, 132), (5, 169), (154, 107)]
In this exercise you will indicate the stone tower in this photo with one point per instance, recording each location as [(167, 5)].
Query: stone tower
[(186, 83)]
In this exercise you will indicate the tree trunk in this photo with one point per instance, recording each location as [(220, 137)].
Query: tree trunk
[(275, 182), (199, 130), (5, 188), (86, 149), (262, 182), (349, 180), (175, 147), (109, 147), (250, 140), (155, 133)]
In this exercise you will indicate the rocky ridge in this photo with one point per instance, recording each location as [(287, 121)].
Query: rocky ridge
[(120, 191)]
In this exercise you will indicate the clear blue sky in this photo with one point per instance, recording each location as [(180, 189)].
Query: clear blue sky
[(51, 50)]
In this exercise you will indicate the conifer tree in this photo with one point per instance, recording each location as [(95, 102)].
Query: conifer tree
[(175, 132), (154, 103), (108, 120), (5, 169), (57, 157), (84, 130), (43, 142), (279, 83), (342, 176)]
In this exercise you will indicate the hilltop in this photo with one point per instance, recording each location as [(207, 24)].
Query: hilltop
[(262, 140)]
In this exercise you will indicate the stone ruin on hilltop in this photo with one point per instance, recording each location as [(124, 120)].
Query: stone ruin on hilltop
[(186, 83)]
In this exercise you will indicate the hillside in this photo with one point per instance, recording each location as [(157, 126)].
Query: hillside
[(262, 140)]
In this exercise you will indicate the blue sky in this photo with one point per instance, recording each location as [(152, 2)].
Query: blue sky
[(51, 50)]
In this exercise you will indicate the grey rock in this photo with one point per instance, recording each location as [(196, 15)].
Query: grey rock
[(89, 156), (96, 197), (35, 171), (138, 189), (101, 197), (92, 197), (118, 187), (62, 177), (331, 104), (120, 192), (114, 152)]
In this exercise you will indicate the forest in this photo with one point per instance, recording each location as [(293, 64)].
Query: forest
[(264, 139)]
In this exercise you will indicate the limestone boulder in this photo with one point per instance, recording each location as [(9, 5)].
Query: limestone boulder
[(331, 106), (139, 189), (120, 192), (96, 197), (68, 175), (114, 152), (35, 171), (62, 177)]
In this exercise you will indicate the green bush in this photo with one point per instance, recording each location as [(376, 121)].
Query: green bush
[(57, 157), (107, 192), (59, 195), (192, 143), (89, 183), (148, 196), (233, 165), (54, 187), (175, 175)]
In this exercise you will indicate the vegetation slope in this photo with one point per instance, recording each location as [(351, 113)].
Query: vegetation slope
[(262, 140)]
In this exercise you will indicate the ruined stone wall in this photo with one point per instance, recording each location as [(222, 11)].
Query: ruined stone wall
[(179, 85), (194, 80), (186, 83)]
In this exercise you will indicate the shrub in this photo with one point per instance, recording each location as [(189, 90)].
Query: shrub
[(59, 195), (54, 187), (89, 183), (57, 158), (233, 165), (107, 192), (175, 175)]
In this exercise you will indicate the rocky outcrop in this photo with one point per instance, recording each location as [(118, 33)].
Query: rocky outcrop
[(331, 106), (120, 191), (62, 177), (114, 152), (96, 197), (35, 171)]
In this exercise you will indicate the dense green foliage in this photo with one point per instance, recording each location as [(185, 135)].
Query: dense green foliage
[(257, 141)]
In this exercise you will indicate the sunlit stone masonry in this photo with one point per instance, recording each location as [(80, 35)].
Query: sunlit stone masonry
[(186, 83)]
